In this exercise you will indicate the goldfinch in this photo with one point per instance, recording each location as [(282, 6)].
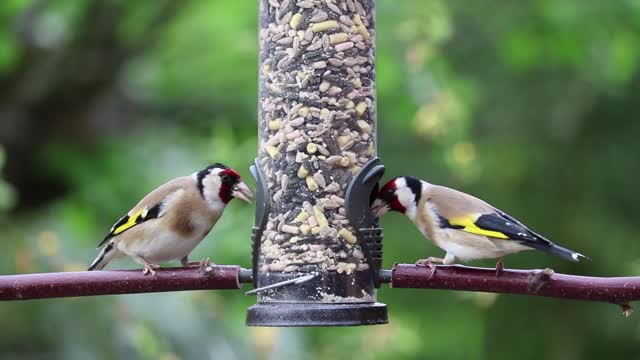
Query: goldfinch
[(169, 222), (464, 226)]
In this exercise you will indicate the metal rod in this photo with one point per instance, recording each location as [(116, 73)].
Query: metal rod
[(245, 276), (384, 276), (616, 290), (91, 283), (295, 281)]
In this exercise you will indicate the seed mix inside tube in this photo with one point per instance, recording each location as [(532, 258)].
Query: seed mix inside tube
[(317, 128)]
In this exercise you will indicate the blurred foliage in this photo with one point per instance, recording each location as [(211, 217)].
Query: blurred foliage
[(530, 105), (7, 197)]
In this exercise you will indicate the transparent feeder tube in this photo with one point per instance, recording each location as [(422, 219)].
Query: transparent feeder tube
[(317, 123)]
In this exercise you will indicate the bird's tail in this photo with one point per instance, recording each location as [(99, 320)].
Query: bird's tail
[(107, 253), (558, 251)]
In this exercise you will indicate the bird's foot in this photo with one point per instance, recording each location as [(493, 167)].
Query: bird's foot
[(185, 262), (197, 264), (430, 263), (149, 269), (499, 267), (205, 263)]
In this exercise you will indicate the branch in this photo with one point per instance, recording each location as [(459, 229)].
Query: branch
[(618, 290), (615, 290), (90, 283)]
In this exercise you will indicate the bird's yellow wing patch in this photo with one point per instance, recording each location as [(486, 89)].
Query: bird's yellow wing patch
[(128, 221), (132, 221), (468, 224)]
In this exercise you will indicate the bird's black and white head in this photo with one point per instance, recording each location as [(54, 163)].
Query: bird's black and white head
[(218, 184), (401, 194)]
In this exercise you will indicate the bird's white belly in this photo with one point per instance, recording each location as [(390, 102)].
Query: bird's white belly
[(170, 247), (466, 253), (158, 246), (466, 247)]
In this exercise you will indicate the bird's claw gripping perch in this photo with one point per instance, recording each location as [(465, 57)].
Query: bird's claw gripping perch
[(430, 263), (499, 267), (204, 265), (149, 269)]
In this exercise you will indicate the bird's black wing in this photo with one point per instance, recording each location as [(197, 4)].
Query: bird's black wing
[(509, 226)]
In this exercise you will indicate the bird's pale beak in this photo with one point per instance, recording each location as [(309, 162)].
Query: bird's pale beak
[(379, 208), (242, 192)]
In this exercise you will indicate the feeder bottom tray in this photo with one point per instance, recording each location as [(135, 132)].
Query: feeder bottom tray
[(287, 314)]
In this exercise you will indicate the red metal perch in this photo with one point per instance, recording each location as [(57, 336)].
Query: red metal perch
[(615, 290), (91, 283)]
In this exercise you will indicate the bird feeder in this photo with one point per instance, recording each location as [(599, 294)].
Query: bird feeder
[(317, 249)]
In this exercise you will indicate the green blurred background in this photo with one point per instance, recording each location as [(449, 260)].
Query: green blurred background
[(532, 105)]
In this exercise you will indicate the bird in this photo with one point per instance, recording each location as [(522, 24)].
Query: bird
[(465, 227), (169, 222)]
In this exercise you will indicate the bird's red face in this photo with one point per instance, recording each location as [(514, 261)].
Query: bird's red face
[(387, 200), (232, 186), (224, 182)]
